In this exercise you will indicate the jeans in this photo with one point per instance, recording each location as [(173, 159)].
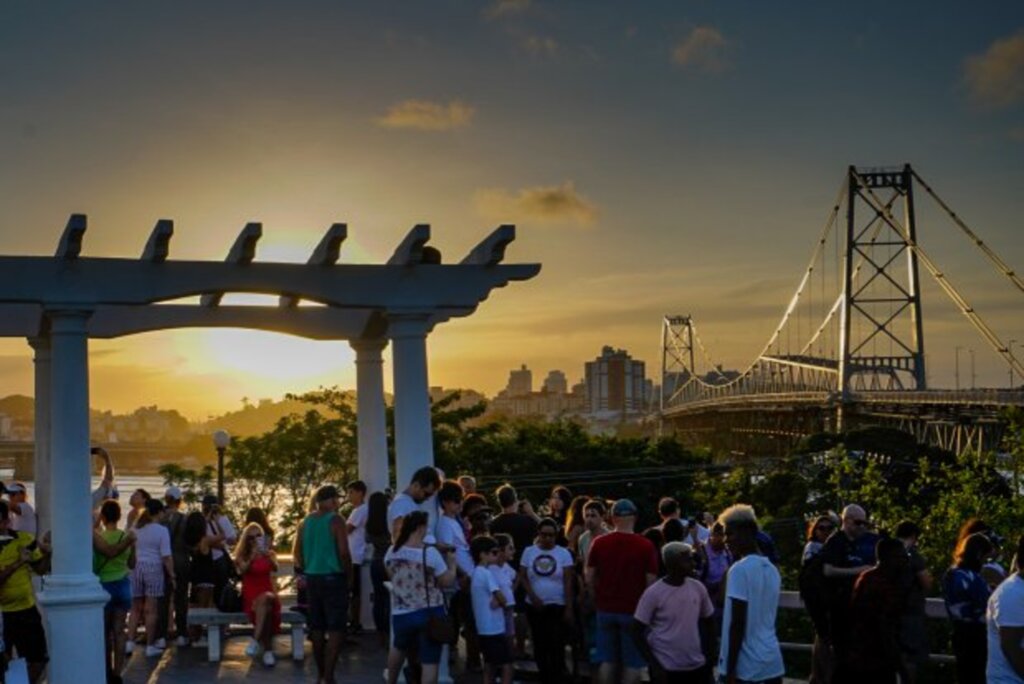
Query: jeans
[(381, 599), (549, 631)]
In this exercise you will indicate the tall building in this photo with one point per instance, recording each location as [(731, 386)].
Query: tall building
[(520, 382), (615, 383), (556, 383)]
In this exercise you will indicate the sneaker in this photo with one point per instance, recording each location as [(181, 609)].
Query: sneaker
[(160, 643), (129, 647), (181, 642), (269, 659), (152, 651), (252, 649)]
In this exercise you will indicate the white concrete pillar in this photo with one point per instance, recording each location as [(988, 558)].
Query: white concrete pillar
[(41, 467), (73, 599), (370, 412), (414, 445)]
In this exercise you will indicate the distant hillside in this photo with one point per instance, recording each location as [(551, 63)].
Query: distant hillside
[(254, 419), (18, 406)]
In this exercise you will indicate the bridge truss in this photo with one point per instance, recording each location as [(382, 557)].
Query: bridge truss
[(849, 348)]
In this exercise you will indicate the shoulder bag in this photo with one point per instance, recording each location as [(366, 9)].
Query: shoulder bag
[(440, 628)]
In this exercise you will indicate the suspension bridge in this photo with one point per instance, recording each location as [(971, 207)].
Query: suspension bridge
[(849, 350)]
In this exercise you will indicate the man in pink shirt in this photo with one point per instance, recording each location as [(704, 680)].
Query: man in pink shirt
[(671, 625)]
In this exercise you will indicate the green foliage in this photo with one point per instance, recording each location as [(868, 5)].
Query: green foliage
[(193, 483)]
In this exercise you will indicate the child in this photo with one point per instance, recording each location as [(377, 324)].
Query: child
[(506, 577), (488, 610)]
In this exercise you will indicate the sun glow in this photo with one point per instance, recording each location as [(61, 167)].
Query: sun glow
[(274, 356)]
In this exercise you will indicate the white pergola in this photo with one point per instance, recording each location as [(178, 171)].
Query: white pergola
[(59, 302)]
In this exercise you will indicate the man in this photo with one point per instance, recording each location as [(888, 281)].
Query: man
[(468, 484), (217, 524), (106, 489), (423, 486), (176, 600), (593, 526), (620, 566), (355, 491), (750, 648), (322, 556), (876, 610), (20, 553), (673, 619), (522, 527), (1005, 618), (917, 581), (844, 557), (23, 516)]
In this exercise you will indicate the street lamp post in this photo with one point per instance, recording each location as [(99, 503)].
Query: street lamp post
[(221, 440), (956, 366), (1010, 348), (973, 376)]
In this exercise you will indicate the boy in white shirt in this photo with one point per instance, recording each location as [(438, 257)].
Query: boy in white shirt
[(488, 610), (506, 577)]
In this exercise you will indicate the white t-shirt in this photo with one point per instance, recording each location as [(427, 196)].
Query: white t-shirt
[(1005, 609), (153, 543), (755, 580), (24, 521), (490, 619), (408, 593), (224, 527), (545, 570), (506, 577), (357, 537), (401, 506), (450, 532)]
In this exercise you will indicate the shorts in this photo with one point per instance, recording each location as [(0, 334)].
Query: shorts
[(510, 621), (615, 643), (409, 630), (148, 580), (120, 594), (495, 649), (23, 632), (327, 602)]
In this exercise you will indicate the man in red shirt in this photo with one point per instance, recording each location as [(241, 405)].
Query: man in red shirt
[(620, 566)]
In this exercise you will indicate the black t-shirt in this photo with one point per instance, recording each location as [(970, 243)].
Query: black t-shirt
[(842, 552), (522, 528), (916, 600)]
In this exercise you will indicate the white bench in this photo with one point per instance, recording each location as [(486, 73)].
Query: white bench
[(212, 620)]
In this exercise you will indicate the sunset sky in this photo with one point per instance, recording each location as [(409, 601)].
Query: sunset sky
[(657, 157)]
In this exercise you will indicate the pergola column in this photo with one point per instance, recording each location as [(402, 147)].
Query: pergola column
[(414, 445), (370, 413), (41, 467), (72, 596)]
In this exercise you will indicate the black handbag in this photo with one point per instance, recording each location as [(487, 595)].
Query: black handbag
[(440, 628), (229, 600)]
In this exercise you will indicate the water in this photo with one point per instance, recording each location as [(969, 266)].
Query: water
[(154, 484)]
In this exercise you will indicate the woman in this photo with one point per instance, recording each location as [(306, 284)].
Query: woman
[(256, 562), (558, 504), (813, 592), (202, 574), (574, 523), (153, 572), (112, 561), (137, 501), (378, 539), (546, 574), (966, 593), (259, 516), (417, 574)]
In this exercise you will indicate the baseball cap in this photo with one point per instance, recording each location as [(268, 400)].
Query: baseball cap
[(623, 508), (15, 488), (173, 493)]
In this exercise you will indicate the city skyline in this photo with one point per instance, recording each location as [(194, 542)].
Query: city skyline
[(669, 158)]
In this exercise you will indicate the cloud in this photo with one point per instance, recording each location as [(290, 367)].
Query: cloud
[(996, 78), (704, 50), (540, 46), (547, 204), (505, 8), (424, 115)]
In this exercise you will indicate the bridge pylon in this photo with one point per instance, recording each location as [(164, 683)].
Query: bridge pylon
[(881, 341)]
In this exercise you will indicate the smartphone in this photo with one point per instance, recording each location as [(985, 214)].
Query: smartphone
[(261, 544)]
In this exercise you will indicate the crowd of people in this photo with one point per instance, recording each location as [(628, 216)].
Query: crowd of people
[(689, 598)]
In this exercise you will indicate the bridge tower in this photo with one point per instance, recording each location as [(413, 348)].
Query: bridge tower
[(677, 358), (881, 341)]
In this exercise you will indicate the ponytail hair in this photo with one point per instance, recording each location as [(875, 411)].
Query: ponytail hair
[(410, 524)]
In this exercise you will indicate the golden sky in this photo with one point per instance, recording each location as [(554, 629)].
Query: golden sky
[(665, 157)]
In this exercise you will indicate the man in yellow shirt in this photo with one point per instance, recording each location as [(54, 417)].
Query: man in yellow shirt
[(23, 626)]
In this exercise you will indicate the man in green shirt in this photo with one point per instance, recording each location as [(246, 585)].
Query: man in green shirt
[(322, 555), (20, 553)]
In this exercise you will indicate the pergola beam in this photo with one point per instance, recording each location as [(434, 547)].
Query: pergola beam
[(410, 251), (70, 245), (242, 252), (325, 254), (158, 247)]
